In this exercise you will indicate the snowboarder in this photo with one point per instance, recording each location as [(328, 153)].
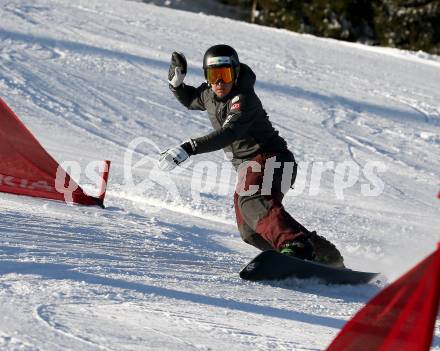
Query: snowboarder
[(242, 127)]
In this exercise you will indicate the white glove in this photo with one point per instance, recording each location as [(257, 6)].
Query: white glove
[(178, 77), (177, 70), (171, 158)]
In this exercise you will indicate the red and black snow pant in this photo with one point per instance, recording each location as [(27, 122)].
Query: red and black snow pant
[(261, 218)]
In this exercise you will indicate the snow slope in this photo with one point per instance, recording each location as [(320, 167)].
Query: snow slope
[(158, 269)]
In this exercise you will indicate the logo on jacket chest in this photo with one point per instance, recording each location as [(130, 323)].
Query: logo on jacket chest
[(235, 103)]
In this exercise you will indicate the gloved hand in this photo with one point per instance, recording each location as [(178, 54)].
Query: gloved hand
[(174, 156), (178, 69)]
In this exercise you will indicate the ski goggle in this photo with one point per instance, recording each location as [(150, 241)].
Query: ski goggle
[(214, 74)]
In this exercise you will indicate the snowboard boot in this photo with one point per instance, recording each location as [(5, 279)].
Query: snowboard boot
[(325, 251), (300, 248)]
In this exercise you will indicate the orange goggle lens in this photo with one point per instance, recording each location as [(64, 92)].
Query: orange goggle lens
[(214, 74)]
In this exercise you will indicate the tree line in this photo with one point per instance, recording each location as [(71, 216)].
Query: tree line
[(405, 24)]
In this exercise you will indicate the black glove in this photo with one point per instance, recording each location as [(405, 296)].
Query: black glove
[(177, 70)]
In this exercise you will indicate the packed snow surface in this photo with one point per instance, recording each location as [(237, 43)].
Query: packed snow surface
[(158, 269)]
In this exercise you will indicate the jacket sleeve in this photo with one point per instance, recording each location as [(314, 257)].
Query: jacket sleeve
[(240, 118), (190, 97)]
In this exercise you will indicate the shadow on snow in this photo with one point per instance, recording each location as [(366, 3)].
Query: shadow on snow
[(62, 271)]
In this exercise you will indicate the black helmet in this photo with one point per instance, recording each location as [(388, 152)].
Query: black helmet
[(219, 56)]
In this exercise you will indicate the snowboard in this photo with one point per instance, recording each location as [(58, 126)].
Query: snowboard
[(272, 265)]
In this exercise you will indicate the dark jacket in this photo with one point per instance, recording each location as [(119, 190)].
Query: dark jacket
[(242, 126)]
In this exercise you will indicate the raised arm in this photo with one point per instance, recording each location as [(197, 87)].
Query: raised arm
[(188, 96)]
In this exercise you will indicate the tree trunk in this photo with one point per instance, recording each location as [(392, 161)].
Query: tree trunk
[(253, 11)]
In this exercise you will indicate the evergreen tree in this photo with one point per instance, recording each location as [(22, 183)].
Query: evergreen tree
[(407, 24)]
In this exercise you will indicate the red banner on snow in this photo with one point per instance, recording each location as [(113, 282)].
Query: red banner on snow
[(399, 318), (27, 169)]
